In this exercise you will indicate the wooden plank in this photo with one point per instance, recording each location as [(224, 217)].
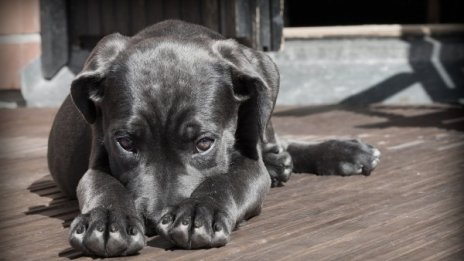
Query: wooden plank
[(210, 14), (78, 21), (277, 24), (243, 22), (394, 30), (227, 18), (190, 11), (122, 17), (154, 11), (138, 12), (265, 25), (255, 18), (172, 9), (94, 20), (108, 15), (54, 33)]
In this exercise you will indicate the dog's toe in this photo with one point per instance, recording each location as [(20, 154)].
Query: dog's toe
[(137, 240), (349, 168), (375, 162), (116, 242), (95, 240), (78, 230), (200, 237), (180, 233)]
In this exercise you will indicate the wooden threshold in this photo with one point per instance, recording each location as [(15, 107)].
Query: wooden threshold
[(392, 30)]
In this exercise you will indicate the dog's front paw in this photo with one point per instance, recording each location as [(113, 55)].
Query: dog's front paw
[(104, 232), (196, 224), (347, 157), (278, 163)]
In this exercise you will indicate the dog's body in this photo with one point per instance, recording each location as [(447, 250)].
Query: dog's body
[(169, 132)]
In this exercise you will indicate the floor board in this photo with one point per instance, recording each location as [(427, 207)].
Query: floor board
[(410, 208)]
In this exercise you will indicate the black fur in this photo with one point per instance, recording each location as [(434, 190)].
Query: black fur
[(132, 162)]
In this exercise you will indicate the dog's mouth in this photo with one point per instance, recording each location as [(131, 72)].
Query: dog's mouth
[(150, 227), (149, 219)]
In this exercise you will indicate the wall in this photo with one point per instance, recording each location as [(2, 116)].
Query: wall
[(19, 39)]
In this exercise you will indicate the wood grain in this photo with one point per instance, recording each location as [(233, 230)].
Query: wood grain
[(410, 208)]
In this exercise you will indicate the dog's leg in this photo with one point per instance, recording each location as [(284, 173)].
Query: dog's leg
[(207, 218), (109, 224), (334, 157), (69, 148), (278, 161)]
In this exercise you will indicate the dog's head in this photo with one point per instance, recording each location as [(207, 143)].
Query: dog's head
[(168, 113)]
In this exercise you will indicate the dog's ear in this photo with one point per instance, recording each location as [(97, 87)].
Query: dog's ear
[(255, 80), (86, 88)]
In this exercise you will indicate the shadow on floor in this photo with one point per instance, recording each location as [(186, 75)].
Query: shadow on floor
[(60, 207), (436, 66), (444, 118), (447, 118)]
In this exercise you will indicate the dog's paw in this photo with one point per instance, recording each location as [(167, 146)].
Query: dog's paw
[(195, 224), (103, 232), (278, 162), (347, 157)]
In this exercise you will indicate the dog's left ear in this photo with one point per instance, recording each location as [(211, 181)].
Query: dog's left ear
[(86, 88), (255, 80)]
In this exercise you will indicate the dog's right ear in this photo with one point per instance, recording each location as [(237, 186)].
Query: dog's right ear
[(86, 88)]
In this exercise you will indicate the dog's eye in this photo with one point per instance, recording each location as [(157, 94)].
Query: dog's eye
[(204, 144), (126, 143)]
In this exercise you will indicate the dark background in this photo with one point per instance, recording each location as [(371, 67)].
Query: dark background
[(342, 12)]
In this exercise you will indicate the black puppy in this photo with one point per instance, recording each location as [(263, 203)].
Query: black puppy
[(169, 132)]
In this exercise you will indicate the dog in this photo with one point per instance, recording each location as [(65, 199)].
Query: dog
[(168, 132)]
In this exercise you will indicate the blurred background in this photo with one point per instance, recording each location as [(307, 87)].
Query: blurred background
[(329, 52)]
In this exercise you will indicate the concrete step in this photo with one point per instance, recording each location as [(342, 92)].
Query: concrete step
[(413, 70)]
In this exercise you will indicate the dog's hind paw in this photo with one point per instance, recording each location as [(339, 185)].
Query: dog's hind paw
[(103, 232), (278, 162), (195, 224), (347, 157)]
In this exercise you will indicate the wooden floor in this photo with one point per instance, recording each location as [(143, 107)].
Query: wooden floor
[(411, 208)]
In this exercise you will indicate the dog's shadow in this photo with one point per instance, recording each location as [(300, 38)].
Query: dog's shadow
[(65, 209), (59, 207)]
